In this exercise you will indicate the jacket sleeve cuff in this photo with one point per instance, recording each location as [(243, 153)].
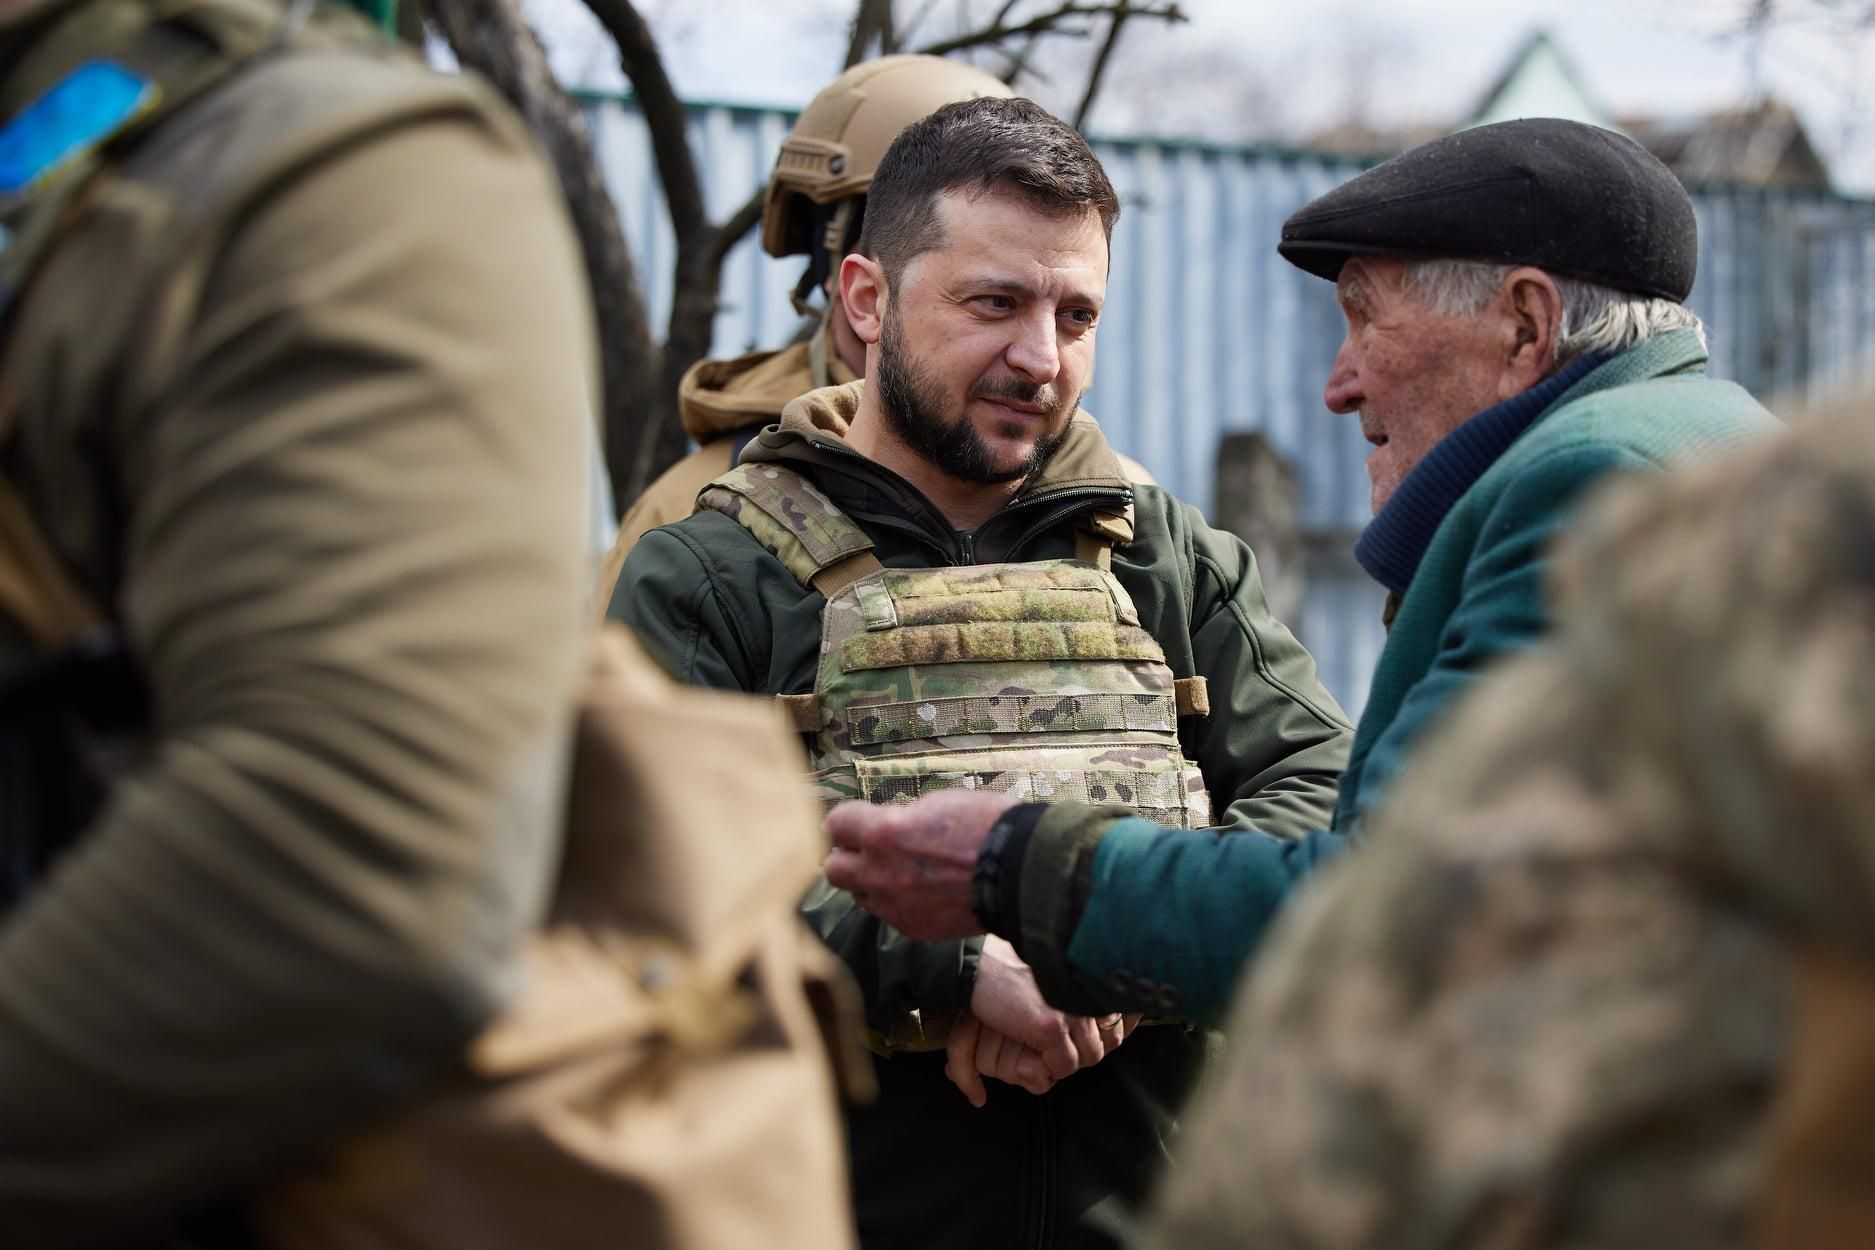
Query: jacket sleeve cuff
[(996, 888), (1056, 876)]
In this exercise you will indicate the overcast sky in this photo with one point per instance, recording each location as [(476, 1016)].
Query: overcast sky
[(1244, 69)]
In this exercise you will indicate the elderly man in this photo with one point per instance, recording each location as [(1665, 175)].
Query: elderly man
[(1516, 333), (946, 575), (1603, 977)]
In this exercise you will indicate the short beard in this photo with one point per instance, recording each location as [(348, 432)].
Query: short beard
[(913, 404)]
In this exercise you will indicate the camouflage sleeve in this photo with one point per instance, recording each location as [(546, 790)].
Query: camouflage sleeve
[(355, 556), (1513, 1019)]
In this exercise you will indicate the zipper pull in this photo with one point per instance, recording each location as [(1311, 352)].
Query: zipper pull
[(967, 547)]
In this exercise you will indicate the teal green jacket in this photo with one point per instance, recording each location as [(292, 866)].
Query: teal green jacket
[(1115, 913)]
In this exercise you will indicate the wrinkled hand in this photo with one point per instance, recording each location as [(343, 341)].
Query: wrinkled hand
[(1010, 1033), (912, 864)]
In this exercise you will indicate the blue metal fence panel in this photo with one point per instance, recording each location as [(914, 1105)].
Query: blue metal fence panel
[(1207, 331)]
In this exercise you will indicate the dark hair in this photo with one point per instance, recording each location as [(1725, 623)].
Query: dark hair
[(984, 146)]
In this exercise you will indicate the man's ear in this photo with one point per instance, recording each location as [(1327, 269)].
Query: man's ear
[(1532, 308), (863, 293)]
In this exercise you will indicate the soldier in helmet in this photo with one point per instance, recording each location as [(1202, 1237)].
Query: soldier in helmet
[(815, 207)]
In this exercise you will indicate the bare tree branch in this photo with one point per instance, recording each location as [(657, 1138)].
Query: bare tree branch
[(917, 21), (1052, 22), (872, 20), (1022, 62), (490, 37), (1099, 70), (694, 276), (740, 223), (664, 116)]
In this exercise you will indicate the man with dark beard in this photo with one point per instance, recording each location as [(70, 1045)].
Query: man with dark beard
[(950, 584)]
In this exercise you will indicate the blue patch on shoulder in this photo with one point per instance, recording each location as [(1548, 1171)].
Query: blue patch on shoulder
[(78, 113)]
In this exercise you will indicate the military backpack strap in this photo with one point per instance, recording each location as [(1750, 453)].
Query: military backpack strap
[(795, 523), (818, 365)]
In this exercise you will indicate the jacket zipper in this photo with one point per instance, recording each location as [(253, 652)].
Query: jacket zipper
[(965, 544)]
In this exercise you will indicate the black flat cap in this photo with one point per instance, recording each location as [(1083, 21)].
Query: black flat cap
[(1576, 200)]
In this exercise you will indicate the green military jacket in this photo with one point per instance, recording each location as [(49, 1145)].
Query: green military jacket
[(1058, 1170), (1477, 596)]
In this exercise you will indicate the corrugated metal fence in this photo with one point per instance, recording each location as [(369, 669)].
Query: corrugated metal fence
[(1208, 332)]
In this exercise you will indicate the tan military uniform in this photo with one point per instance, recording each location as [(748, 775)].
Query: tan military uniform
[(298, 397), (718, 400), (1604, 973)]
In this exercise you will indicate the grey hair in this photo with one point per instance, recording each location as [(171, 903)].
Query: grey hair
[(1594, 318)]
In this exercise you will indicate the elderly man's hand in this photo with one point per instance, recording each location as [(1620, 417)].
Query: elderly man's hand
[(912, 864)]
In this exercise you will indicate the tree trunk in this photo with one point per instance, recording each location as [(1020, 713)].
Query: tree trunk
[(490, 37)]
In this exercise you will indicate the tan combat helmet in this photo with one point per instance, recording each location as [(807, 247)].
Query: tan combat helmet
[(843, 133)]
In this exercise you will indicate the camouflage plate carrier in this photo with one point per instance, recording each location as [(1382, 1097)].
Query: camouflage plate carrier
[(1032, 679)]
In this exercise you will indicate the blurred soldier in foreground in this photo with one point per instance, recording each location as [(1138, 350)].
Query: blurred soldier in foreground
[(1606, 974), (297, 358), (1516, 332), (947, 577)]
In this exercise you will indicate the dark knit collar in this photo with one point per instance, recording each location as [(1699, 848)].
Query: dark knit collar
[(1393, 543)]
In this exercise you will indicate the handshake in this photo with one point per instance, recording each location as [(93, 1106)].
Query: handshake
[(1012, 1034)]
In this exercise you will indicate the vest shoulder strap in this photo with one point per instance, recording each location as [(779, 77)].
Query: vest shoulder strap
[(795, 523)]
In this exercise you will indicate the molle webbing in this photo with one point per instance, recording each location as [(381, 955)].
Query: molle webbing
[(1031, 679), (794, 522)]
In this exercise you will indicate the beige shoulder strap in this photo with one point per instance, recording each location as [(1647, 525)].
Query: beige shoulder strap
[(836, 577), (1096, 549)]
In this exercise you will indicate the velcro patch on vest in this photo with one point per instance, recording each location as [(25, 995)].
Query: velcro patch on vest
[(1049, 590), (1149, 779), (792, 520), (1080, 603), (1025, 641), (872, 724)]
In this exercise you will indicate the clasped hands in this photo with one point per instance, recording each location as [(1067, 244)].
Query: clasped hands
[(1012, 1034), (913, 867)]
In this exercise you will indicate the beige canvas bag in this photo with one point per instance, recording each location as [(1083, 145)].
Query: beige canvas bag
[(663, 1079)]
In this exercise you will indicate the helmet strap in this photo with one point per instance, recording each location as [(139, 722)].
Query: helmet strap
[(829, 248)]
